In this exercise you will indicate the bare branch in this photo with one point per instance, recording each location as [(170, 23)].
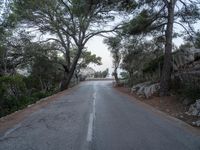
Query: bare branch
[(191, 37)]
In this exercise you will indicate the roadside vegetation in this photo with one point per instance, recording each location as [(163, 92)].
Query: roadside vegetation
[(101, 74), (30, 68)]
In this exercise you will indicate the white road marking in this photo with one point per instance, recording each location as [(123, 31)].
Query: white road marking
[(94, 110), (94, 105), (91, 119), (90, 128), (94, 95)]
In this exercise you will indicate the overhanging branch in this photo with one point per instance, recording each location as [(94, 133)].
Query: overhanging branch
[(89, 36)]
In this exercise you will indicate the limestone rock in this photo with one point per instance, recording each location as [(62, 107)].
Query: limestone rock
[(194, 109), (196, 123), (146, 89)]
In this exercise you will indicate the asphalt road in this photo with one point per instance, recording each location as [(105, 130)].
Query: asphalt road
[(95, 116)]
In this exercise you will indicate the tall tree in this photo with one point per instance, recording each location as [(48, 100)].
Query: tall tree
[(197, 40), (158, 18), (167, 65), (69, 22), (115, 47)]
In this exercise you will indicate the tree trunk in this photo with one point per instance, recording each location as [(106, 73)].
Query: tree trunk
[(130, 78), (68, 75), (116, 76), (167, 66), (64, 81), (41, 84)]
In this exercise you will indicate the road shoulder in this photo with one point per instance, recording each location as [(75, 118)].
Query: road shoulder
[(186, 126)]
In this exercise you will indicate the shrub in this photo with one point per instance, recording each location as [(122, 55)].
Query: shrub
[(12, 86), (153, 65), (186, 90), (39, 95), (14, 94)]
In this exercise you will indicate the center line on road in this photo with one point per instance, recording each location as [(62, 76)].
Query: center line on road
[(91, 119), (94, 105), (90, 128)]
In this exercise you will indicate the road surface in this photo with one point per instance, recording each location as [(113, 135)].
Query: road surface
[(94, 116)]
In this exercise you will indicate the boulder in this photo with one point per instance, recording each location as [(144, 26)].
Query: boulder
[(153, 88), (139, 86), (196, 123), (194, 109), (146, 89)]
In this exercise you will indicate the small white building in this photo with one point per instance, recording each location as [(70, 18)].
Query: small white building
[(87, 72)]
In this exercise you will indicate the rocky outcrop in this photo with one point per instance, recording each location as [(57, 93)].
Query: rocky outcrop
[(194, 109), (146, 89)]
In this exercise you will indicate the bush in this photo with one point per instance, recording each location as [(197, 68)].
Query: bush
[(153, 65), (191, 92), (12, 86), (187, 90), (39, 95), (14, 95)]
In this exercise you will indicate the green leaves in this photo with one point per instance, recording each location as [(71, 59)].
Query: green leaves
[(91, 58), (88, 58), (12, 84)]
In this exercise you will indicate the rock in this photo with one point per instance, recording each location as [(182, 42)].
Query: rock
[(181, 116), (139, 86), (194, 109), (146, 89), (196, 123), (151, 89), (141, 90), (198, 104)]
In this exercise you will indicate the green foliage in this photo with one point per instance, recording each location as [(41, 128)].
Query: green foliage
[(12, 89), (105, 73), (127, 5), (15, 95), (197, 40), (115, 47), (88, 58), (189, 90), (12, 85), (39, 95), (141, 59), (141, 24), (101, 74), (153, 65), (124, 75)]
